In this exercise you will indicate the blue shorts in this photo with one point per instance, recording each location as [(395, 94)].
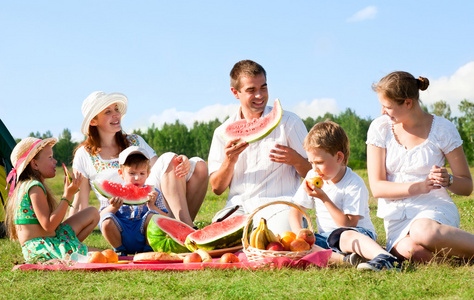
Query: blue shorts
[(330, 239), (132, 232)]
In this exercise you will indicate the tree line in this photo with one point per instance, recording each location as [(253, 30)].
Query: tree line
[(196, 141)]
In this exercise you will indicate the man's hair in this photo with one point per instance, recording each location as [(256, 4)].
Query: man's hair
[(330, 137), (245, 68), (136, 160)]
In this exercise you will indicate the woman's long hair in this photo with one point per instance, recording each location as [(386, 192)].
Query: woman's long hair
[(92, 141)]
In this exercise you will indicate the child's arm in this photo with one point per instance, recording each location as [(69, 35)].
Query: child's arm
[(295, 217), (115, 204), (341, 219), (51, 220), (151, 202)]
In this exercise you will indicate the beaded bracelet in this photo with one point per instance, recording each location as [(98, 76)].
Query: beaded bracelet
[(68, 202)]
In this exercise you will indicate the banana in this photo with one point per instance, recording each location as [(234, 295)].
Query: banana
[(261, 241), (269, 234), (253, 235), (204, 255)]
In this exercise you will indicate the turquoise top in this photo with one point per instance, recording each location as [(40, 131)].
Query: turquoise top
[(24, 209)]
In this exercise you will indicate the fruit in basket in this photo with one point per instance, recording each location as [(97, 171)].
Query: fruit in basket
[(192, 258), (229, 258), (257, 128), (275, 246), (262, 236), (299, 245), (316, 181), (307, 235), (97, 257), (165, 234), (206, 257), (286, 238), (218, 235), (131, 194), (110, 255)]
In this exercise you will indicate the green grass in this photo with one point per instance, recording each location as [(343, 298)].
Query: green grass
[(447, 280)]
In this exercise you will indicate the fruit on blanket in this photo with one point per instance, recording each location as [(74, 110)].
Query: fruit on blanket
[(257, 128), (67, 174), (275, 246), (299, 245), (206, 257), (192, 258), (165, 234), (316, 181), (111, 256), (229, 258), (218, 235), (131, 194), (307, 235), (97, 258), (286, 238)]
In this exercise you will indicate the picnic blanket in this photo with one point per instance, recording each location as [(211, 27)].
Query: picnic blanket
[(319, 259)]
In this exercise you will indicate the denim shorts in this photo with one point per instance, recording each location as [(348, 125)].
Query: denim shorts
[(330, 239), (131, 230)]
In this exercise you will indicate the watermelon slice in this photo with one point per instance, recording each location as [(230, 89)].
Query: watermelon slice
[(131, 194), (165, 234), (67, 174), (257, 128), (218, 235)]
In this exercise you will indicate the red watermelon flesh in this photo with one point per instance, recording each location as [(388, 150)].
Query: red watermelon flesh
[(257, 128), (131, 194)]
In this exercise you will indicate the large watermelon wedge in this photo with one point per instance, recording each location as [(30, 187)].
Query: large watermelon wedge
[(219, 235), (131, 194), (257, 128), (165, 234)]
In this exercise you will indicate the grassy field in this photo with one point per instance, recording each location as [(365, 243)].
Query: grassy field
[(447, 280)]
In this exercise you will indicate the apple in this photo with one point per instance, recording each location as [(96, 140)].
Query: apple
[(192, 258), (275, 246), (299, 245), (229, 258), (307, 235), (316, 181)]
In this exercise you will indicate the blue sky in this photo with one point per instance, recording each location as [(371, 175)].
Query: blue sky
[(172, 58)]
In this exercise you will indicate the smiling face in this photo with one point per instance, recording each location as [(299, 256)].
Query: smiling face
[(45, 163), (253, 95), (108, 120), (329, 167), (392, 109)]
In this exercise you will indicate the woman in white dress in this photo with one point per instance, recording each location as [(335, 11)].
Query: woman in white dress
[(406, 153)]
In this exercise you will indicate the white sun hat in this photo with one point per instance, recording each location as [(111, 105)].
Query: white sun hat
[(97, 102), (131, 150)]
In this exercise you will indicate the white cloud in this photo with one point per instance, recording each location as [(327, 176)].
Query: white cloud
[(367, 13), (452, 89), (316, 108)]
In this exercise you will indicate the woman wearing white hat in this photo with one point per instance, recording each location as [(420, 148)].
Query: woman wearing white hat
[(182, 181)]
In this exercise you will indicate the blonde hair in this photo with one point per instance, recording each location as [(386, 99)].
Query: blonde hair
[(399, 86), (245, 68), (330, 137), (29, 174)]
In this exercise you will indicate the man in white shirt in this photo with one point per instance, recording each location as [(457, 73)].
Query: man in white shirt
[(267, 170)]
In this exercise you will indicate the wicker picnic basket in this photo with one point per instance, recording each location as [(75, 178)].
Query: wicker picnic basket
[(254, 254)]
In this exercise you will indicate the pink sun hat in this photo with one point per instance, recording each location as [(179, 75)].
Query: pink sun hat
[(97, 102)]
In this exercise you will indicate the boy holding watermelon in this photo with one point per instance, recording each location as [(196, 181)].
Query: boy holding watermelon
[(340, 202), (262, 171), (127, 233)]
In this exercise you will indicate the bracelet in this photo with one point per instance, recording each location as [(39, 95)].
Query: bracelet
[(68, 202)]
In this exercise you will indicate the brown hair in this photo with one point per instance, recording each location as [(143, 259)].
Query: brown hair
[(28, 174), (92, 142), (136, 160), (330, 137), (399, 86), (245, 68)]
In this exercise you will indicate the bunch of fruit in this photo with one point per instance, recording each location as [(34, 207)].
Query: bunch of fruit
[(263, 238), (106, 256)]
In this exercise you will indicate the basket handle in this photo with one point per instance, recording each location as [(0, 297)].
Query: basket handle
[(250, 217)]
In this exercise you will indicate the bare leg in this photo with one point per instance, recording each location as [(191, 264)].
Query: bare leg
[(83, 222), (111, 233), (406, 248), (353, 241), (196, 188)]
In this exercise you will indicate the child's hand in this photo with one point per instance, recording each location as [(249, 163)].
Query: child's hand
[(152, 196), (313, 191), (183, 166), (116, 202), (70, 188)]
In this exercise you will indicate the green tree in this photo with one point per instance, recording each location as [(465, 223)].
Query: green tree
[(442, 109), (466, 129), (64, 148)]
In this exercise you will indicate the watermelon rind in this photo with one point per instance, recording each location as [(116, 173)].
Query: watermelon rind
[(259, 131), (125, 201), (163, 240), (218, 235)]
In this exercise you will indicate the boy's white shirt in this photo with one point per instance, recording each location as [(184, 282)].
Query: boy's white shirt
[(350, 195)]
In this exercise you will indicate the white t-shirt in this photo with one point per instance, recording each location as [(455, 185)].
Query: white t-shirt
[(255, 176), (350, 195)]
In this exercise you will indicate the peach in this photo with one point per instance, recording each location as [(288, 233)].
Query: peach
[(111, 256), (307, 235), (299, 245), (192, 258), (275, 246), (97, 258), (229, 258)]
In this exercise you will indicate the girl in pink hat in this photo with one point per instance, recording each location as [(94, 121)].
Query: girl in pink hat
[(33, 215)]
